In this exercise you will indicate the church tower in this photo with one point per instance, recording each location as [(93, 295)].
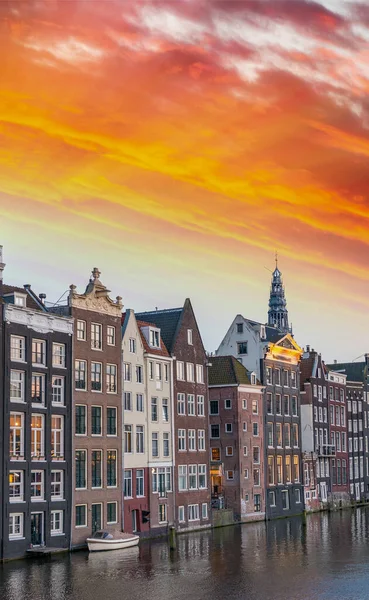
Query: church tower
[(278, 313)]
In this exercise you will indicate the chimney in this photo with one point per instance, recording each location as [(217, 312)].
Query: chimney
[(335, 362), (307, 348), (42, 298), (27, 286)]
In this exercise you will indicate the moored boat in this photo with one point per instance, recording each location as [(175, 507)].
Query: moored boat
[(103, 540)]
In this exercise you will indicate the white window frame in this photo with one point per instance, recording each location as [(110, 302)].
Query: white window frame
[(82, 329), (200, 374), (201, 472), (53, 516), (200, 406), (18, 354), (182, 476), (116, 513), (56, 484), (190, 337), (12, 518), (58, 388), (54, 435), (190, 372), (20, 383), (15, 484), (193, 512), (180, 369), (204, 511), (110, 334), (192, 472), (58, 358), (201, 444), (96, 340), (181, 514), (43, 344), (41, 483), (41, 454), (42, 389)]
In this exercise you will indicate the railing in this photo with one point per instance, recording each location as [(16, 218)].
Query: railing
[(326, 450)]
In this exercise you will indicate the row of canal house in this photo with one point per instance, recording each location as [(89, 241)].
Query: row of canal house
[(122, 421)]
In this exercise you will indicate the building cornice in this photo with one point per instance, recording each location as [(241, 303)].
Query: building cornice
[(38, 321)]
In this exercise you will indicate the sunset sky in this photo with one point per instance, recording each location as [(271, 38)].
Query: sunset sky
[(176, 145)]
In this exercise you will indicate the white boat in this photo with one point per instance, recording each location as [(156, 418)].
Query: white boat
[(103, 540)]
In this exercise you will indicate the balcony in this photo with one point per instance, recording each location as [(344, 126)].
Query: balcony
[(326, 450)]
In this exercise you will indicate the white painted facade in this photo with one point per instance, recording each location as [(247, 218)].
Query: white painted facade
[(243, 331)]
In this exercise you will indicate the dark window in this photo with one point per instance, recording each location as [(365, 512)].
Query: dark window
[(96, 420), (214, 407), (81, 515), (334, 473), (112, 468), (96, 517), (80, 374), (111, 425), (80, 469), (239, 327), (111, 512), (81, 420), (96, 468), (96, 377), (257, 503), (242, 347), (338, 472), (215, 431)]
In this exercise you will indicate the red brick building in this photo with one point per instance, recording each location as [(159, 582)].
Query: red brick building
[(338, 424), (236, 439)]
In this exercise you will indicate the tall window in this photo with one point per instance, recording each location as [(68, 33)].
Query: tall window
[(181, 439), (189, 337), (80, 367), (278, 407), (57, 485), (81, 331), (81, 419), (256, 474), (192, 477), (111, 378), (127, 375), (193, 512), (256, 454), (127, 401), (110, 335), (96, 337), (199, 373), (57, 436), (295, 435), (38, 389), (180, 370), (296, 468), (154, 444), (37, 485), (140, 448), (201, 440), (16, 447), (202, 477), (127, 439), (158, 372), (154, 410), (166, 372), (254, 406), (111, 420), (17, 348), (96, 468), (192, 439), (279, 469), (294, 406), (56, 522), (37, 436), (191, 404), (287, 435), (271, 470), (200, 406), (181, 404), (96, 384), (269, 403), (16, 479), (16, 525), (58, 355), (111, 468), (190, 372), (165, 406), (165, 444), (182, 478), (154, 337), (286, 404), (57, 384), (139, 374), (140, 402), (278, 434), (127, 483), (81, 463), (17, 386), (140, 492), (96, 425), (288, 468), (38, 352), (270, 435)]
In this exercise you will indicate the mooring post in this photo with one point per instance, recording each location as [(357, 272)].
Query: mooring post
[(172, 538)]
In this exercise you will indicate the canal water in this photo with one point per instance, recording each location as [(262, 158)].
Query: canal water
[(328, 559)]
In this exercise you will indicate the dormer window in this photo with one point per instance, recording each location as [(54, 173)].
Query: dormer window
[(262, 332), (20, 300), (155, 338), (253, 379)]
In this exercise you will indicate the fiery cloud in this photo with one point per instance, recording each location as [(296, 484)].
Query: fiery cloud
[(222, 130)]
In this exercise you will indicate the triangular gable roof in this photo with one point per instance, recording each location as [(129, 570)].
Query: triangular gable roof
[(169, 322), (227, 370), (287, 341)]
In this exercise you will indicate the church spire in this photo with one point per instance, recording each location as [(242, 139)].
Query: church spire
[(278, 313)]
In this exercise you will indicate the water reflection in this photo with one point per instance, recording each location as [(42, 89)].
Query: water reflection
[(322, 558)]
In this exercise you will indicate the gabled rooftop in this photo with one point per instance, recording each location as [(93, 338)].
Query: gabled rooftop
[(166, 320), (227, 370)]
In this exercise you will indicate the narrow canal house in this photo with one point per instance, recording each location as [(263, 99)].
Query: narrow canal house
[(148, 439), (97, 409), (338, 425), (357, 425), (182, 338), (271, 352), (36, 352), (318, 451), (236, 439)]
